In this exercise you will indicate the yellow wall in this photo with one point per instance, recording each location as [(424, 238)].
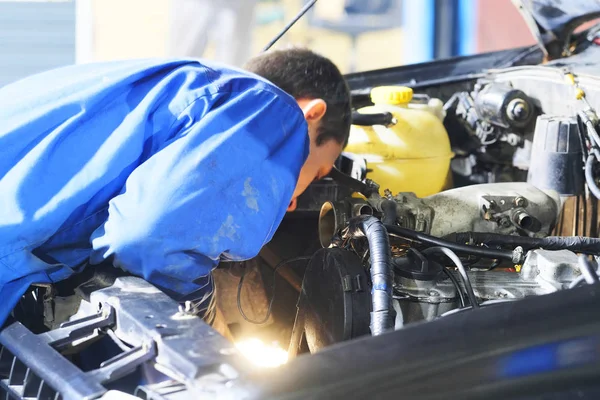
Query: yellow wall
[(139, 28), (130, 28)]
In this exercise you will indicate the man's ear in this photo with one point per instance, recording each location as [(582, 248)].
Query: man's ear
[(314, 110)]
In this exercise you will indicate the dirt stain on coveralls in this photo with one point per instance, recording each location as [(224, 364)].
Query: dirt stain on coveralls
[(251, 195), (228, 229)]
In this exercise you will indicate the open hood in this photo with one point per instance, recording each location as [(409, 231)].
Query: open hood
[(553, 21)]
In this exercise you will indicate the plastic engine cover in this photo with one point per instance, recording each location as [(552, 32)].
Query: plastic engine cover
[(556, 157)]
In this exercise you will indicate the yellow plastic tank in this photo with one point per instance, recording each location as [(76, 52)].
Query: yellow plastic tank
[(411, 155)]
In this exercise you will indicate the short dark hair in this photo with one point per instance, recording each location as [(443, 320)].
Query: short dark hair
[(304, 74)]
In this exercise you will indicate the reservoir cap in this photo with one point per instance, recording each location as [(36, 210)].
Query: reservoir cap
[(393, 95)]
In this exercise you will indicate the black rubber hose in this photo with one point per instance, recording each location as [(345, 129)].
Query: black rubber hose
[(459, 292), (457, 247), (589, 176), (390, 214), (577, 244), (384, 119), (461, 269), (383, 314)]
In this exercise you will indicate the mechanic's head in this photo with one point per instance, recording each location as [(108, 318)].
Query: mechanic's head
[(322, 94)]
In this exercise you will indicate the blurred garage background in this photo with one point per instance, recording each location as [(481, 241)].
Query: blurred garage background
[(357, 35)]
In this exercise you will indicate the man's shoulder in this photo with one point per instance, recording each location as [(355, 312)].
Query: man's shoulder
[(227, 78), (188, 78)]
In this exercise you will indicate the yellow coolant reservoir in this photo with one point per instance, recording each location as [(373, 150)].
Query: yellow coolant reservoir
[(411, 155)]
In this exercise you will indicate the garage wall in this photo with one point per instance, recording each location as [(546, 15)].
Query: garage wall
[(35, 36), (126, 29), (140, 28), (500, 26)]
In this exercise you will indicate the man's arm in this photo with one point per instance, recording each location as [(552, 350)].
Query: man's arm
[(219, 189)]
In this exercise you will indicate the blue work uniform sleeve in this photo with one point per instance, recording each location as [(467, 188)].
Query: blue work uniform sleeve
[(217, 190)]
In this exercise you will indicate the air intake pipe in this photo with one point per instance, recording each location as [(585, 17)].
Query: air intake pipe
[(383, 314)]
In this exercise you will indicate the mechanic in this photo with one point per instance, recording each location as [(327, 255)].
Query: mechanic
[(161, 168)]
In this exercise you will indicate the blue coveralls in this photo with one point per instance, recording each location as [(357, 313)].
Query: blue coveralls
[(161, 167)]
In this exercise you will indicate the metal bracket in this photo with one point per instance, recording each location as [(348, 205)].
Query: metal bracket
[(124, 363), (184, 347), (36, 367), (80, 328)]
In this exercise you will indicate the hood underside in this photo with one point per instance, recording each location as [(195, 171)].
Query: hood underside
[(553, 21)]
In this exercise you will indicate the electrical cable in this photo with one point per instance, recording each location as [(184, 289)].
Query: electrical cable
[(593, 154), (461, 268), (591, 129), (469, 263), (576, 244), (269, 309), (456, 247), (454, 281), (486, 303), (494, 265), (589, 176), (118, 341)]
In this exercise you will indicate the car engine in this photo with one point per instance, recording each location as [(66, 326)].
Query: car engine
[(525, 148), (501, 232)]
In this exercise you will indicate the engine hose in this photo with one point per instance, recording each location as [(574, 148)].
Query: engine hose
[(589, 176), (591, 129), (461, 270), (577, 244), (390, 214), (384, 119), (383, 314), (512, 256)]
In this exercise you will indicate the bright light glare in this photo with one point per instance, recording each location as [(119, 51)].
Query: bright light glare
[(261, 354)]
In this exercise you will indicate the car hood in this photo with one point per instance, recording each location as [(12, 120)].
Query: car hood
[(553, 21)]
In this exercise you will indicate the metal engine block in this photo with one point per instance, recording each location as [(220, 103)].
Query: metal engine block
[(542, 273), (506, 208)]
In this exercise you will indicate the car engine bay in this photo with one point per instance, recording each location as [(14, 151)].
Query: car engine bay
[(525, 149)]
